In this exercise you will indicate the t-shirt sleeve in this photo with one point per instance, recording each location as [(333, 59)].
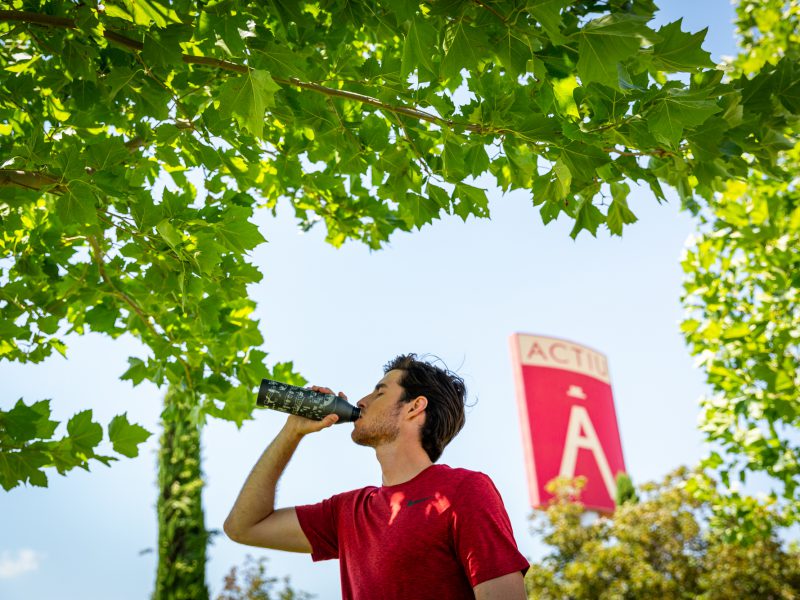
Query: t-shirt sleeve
[(482, 534), (319, 523)]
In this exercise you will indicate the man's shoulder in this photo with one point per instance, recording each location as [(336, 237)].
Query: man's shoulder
[(361, 492), (464, 478)]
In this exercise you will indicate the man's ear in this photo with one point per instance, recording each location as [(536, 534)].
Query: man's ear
[(416, 407)]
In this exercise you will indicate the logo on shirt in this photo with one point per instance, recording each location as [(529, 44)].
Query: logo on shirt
[(413, 502)]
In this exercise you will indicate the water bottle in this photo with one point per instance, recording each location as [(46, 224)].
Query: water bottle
[(306, 403)]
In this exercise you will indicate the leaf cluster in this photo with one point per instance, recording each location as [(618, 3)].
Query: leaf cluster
[(139, 136), (251, 582), (742, 298), (659, 547), (28, 443)]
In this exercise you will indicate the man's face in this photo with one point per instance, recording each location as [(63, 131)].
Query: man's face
[(380, 412)]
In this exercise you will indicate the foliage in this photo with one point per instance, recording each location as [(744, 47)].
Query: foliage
[(256, 585), (626, 492), (742, 299), (183, 538), (742, 294), (768, 31), (28, 444), (370, 117), (659, 547)]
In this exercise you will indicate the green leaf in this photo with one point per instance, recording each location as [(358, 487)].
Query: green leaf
[(137, 371), (117, 12), (20, 467), (102, 318), (460, 44), (439, 196), (77, 205), (44, 426), (548, 14), (238, 405), (118, 78), (736, 331), (374, 132), (588, 217), (583, 160), (107, 152), (20, 422), (236, 232), (453, 159), (522, 161), (551, 209), (284, 62), (162, 47), (126, 437), (476, 160), (677, 110), (618, 212), (418, 210), (563, 179), (79, 61), (470, 200), (680, 51), (514, 52), (284, 372), (604, 42), (168, 232), (417, 50), (247, 97), (84, 433), (145, 12), (228, 31), (207, 253)]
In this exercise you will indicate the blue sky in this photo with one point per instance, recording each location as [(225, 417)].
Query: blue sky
[(455, 290)]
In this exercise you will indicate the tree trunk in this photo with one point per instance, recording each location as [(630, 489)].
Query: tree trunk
[(182, 535)]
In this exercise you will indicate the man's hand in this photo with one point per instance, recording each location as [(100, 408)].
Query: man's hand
[(300, 426)]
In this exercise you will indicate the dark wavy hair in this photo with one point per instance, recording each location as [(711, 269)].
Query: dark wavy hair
[(446, 393)]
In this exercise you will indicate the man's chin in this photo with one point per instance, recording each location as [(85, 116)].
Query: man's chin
[(359, 439)]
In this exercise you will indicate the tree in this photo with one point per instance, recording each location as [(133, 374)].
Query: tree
[(139, 136), (255, 584), (659, 547), (742, 297)]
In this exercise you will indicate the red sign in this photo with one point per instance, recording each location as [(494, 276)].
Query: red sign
[(569, 426)]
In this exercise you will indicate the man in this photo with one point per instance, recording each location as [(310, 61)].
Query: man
[(429, 532)]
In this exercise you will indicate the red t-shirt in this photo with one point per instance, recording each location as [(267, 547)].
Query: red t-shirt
[(435, 536)]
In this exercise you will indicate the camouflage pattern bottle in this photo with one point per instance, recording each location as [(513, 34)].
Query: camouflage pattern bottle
[(306, 403)]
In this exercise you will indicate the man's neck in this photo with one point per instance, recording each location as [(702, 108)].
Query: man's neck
[(400, 463)]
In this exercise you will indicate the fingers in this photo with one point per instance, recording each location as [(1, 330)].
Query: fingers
[(326, 390), (304, 426), (315, 426), (329, 420)]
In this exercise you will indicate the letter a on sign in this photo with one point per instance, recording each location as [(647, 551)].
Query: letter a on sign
[(569, 426), (581, 435)]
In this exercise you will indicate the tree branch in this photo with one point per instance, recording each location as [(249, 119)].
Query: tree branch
[(49, 21), (491, 10), (30, 180), (97, 254)]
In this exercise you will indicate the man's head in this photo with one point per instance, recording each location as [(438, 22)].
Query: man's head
[(445, 393)]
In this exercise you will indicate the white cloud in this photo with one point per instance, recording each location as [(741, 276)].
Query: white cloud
[(24, 561)]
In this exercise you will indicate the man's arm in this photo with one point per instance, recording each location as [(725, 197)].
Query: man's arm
[(253, 519), (507, 587)]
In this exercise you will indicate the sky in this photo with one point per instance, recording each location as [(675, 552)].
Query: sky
[(454, 290)]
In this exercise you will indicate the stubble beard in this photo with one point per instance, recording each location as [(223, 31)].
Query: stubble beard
[(383, 432)]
